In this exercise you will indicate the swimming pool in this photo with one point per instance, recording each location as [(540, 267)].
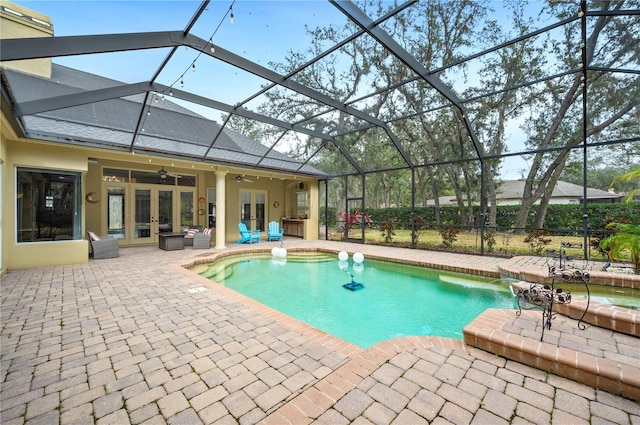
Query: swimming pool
[(396, 300)]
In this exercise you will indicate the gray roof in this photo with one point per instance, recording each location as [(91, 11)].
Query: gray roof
[(170, 129), (513, 189)]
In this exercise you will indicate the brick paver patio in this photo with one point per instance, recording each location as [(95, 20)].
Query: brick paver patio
[(139, 340)]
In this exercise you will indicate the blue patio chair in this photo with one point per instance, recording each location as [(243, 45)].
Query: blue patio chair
[(275, 233), (248, 235)]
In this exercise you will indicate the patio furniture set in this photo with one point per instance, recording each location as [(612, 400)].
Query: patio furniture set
[(107, 247)]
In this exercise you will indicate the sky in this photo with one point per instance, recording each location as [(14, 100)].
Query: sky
[(262, 31)]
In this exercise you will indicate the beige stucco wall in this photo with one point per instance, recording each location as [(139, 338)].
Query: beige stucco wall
[(15, 26), (275, 189), (16, 152), (5, 131), (37, 254)]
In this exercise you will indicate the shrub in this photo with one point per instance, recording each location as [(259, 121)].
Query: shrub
[(388, 229), (626, 238), (601, 234), (419, 223), (537, 240), (490, 239), (449, 235)]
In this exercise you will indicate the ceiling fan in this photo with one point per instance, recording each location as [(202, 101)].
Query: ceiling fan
[(243, 179), (164, 173)]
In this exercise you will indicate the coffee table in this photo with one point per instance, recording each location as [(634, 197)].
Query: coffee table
[(171, 241)]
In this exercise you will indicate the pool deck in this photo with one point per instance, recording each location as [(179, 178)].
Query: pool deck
[(138, 339)]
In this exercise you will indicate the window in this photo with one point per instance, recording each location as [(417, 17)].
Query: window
[(117, 175), (48, 206), (302, 204), (115, 212)]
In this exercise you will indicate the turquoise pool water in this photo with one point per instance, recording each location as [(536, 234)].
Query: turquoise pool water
[(397, 300)]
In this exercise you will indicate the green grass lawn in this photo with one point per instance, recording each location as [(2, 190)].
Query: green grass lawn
[(508, 244)]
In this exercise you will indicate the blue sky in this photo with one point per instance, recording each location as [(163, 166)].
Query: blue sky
[(263, 31)]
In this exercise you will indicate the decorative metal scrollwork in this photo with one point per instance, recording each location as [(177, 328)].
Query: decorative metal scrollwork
[(561, 269)]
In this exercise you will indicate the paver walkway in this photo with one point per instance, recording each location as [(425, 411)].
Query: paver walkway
[(138, 340)]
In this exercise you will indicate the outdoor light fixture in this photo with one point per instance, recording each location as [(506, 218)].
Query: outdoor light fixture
[(213, 49), (170, 92), (193, 67), (181, 82), (232, 17)]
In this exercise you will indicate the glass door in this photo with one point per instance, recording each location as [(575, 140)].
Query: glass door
[(143, 221), (164, 215), (187, 216), (253, 209), (153, 213), (211, 207)]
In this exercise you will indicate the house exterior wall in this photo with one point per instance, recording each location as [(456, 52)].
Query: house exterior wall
[(555, 200), (4, 188), (16, 152), (37, 254), (15, 26)]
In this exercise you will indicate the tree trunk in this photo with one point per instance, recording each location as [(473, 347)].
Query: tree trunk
[(436, 195), (490, 187)]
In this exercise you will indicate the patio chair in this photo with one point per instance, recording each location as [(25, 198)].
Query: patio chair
[(103, 247), (202, 240), (188, 237), (274, 232), (248, 235)]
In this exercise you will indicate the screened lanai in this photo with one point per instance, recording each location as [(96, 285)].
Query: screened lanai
[(394, 105)]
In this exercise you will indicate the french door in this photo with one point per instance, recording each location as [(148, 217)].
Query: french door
[(253, 209), (153, 213)]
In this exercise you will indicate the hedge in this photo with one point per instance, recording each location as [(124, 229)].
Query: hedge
[(559, 216)]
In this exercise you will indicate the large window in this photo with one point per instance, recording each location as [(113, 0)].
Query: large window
[(49, 205), (148, 177)]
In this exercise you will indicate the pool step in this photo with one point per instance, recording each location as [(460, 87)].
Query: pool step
[(606, 316), (597, 357), (218, 274)]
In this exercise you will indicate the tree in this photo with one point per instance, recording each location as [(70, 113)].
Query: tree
[(434, 33), (556, 117), (599, 173), (631, 176), (504, 70)]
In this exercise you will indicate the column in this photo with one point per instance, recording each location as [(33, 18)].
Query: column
[(221, 209)]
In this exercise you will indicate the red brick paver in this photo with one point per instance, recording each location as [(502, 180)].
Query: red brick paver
[(138, 339)]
